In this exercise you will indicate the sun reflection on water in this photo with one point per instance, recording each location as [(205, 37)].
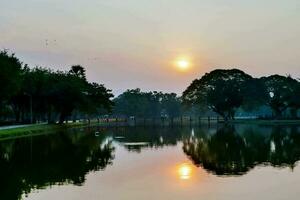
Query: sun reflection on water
[(185, 171)]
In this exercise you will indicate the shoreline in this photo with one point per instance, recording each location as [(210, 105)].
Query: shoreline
[(264, 122), (40, 129)]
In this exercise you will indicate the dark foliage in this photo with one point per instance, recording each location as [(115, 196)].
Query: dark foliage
[(40, 94), (225, 91), (147, 104)]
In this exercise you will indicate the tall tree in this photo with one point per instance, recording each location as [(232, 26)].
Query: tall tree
[(222, 91), (98, 100)]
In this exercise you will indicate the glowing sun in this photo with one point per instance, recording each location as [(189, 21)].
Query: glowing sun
[(182, 64)]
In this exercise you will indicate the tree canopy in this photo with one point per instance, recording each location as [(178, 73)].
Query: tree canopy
[(225, 91), (50, 95), (10, 75), (147, 104), (281, 92), (222, 91)]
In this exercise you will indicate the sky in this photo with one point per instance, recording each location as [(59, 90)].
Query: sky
[(126, 44)]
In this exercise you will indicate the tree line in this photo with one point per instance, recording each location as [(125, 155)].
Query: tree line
[(226, 91), (223, 92), (41, 94), (140, 104)]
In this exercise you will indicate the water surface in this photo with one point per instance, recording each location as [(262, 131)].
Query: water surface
[(216, 162)]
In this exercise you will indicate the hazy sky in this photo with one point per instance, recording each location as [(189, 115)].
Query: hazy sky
[(133, 43)]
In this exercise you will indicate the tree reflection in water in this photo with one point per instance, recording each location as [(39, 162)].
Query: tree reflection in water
[(232, 152), (66, 157), (38, 162), (136, 139), (226, 150)]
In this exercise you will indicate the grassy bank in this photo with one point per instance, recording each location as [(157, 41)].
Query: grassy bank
[(38, 129)]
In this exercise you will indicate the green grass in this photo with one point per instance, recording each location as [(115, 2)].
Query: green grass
[(38, 129)]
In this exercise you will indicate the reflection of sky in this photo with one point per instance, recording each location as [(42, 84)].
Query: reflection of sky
[(125, 43), (155, 174)]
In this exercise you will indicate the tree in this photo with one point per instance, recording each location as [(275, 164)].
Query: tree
[(254, 95), (294, 101), (10, 76), (34, 94), (78, 70), (280, 91), (55, 95), (147, 104), (66, 93), (97, 100), (132, 103), (170, 103), (222, 91)]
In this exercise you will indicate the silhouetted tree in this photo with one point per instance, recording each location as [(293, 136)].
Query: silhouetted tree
[(280, 91), (46, 95), (255, 95), (97, 100), (78, 71), (147, 104), (10, 76), (222, 91), (131, 103), (170, 104), (294, 101)]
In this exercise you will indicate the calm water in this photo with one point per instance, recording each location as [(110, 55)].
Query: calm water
[(241, 162)]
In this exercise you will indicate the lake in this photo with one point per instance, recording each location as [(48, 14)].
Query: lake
[(162, 163)]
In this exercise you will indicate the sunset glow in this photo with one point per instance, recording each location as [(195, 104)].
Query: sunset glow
[(184, 171), (182, 64)]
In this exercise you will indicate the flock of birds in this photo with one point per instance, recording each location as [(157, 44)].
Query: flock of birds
[(49, 42)]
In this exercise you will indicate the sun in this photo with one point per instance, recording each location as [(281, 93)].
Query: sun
[(182, 64)]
